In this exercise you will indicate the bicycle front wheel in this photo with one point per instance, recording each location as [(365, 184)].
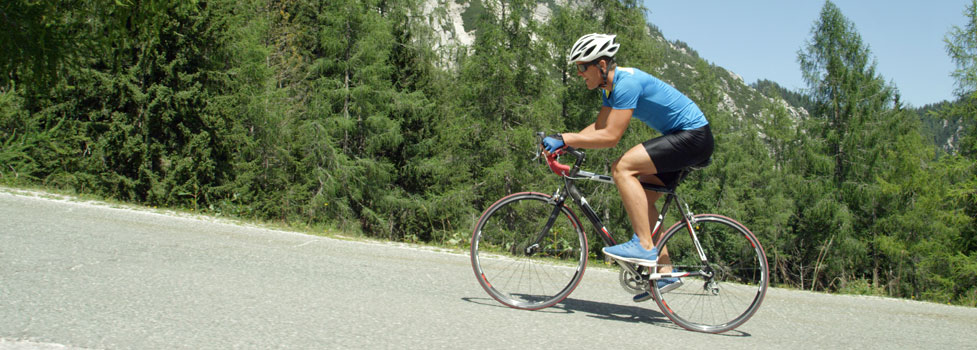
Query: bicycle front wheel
[(527, 253), (729, 275)]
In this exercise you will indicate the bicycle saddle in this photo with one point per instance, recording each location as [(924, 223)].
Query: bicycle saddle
[(704, 164)]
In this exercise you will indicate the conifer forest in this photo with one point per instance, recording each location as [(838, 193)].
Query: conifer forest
[(358, 116)]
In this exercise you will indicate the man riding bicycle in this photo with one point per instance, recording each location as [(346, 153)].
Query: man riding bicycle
[(686, 141)]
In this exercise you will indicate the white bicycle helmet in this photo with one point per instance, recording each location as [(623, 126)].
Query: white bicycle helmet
[(592, 46)]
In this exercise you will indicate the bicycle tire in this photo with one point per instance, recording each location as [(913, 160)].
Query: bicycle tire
[(515, 278), (740, 275)]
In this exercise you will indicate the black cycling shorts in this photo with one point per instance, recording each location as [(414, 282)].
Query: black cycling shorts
[(679, 150)]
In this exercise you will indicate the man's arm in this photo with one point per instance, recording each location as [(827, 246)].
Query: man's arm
[(605, 133)]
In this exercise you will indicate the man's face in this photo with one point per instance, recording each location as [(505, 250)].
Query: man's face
[(590, 72)]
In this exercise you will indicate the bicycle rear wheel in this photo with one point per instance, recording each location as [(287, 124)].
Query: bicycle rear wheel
[(726, 289), (515, 268)]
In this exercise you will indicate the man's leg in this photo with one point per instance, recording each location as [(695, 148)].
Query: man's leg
[(626, 170), (663, 261), (653, 219)]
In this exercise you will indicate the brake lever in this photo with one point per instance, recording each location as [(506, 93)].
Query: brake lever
[(539, 142)]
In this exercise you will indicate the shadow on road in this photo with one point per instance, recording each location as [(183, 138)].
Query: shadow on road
[(612, 312), (615, 312)]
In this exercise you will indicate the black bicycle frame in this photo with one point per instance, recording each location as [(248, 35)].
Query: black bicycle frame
[(574, 174), (591, 214)]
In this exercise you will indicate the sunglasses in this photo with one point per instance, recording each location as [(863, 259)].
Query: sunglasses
[(584, 67)]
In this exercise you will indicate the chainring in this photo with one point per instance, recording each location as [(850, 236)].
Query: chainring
[(631, 283)]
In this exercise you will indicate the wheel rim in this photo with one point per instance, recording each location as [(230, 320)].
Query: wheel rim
[(738, 283), (527, 281)]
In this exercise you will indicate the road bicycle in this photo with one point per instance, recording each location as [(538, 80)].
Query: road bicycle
[(529, 251)]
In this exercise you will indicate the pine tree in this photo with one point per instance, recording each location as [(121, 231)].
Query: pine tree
[(849, 98), (132, 120), (503, 95), (961, 45), (877, 182)]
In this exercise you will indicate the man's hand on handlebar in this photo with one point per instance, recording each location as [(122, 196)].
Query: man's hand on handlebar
[(552, 147), (553, 142)]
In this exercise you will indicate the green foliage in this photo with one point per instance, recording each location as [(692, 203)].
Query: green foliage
[(962, 48), (793, 98), (896, 220), (860, 287), (37, 39), (343, 114), (18, 136)]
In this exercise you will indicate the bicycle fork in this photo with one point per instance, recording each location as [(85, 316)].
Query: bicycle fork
[(557, 199)]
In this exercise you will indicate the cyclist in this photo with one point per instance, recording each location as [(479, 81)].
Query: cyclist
[(686, 141)]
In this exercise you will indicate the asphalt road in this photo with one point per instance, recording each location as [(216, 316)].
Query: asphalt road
[(81, 275)]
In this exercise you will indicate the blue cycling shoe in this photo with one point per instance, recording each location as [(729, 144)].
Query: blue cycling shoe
[(632, 252), (634, 238), (665, 285)]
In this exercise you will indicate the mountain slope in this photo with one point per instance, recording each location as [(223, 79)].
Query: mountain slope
[(454, 24)]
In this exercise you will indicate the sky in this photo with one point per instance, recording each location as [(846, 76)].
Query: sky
[(760, 39)]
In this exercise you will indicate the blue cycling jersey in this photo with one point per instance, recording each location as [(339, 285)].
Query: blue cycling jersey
[(654, 102)]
